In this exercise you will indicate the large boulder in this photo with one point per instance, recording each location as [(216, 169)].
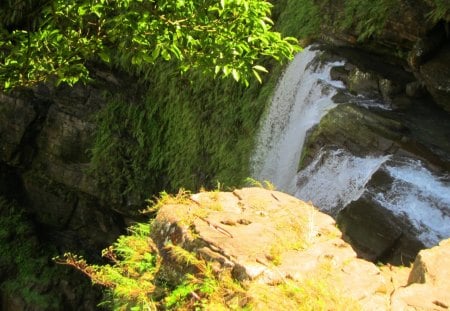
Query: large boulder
[(428, 285), (357, 129), (266, 237), (376, 232)]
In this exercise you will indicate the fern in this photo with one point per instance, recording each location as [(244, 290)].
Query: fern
[(441, 10)]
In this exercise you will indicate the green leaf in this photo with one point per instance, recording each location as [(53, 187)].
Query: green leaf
[(257, 76), (236, 75), (156, 52), (165, 55), (82, 10), (104, 56), (260, 68)]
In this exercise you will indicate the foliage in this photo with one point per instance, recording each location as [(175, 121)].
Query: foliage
[(24, 266), (133, 280), (318, 293), (155, 137), (365, 18), (300, 18), (255, 183), (58, 38), (130, 277), (441, 10)]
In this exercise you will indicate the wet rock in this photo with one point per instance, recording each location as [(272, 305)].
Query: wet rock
[(410, 38), (389, 89), (436, 76), (401, 103), (417, 130), (415, 89), (364, 83), (376, 233), (425, 47), (359, 130), (339, 73)]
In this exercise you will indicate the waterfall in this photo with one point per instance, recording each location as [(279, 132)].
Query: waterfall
[(302, 96), (335, 177)]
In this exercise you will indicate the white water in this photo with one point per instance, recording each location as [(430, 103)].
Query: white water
[(336, 178), (302, 97), (421, 197)]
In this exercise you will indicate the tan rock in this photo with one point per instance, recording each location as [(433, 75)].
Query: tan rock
[(428, 283), (271, 238)]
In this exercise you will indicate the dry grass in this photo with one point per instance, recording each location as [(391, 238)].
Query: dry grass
[(313, 294)]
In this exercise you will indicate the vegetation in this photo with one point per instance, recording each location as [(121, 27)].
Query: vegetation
[(26, 270), (59, 38), (363, 18), (139, 277), (158, 138), (441, 10), (135, 280)]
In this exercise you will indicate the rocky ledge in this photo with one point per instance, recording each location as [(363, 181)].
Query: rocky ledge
[(268, 239)]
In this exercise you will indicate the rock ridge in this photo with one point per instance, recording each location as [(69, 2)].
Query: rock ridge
[(268, 237)]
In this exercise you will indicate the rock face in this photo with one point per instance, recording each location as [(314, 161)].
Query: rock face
[(384, 112), (428, 285), (15, 117), (44, 137), (436, 76), (268, 237), (409, 36)]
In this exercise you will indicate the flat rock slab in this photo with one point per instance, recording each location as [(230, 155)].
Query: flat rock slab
[(268, 237)]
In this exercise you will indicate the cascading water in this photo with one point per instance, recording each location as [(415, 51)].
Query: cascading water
[(335, 177), (421, 197), (301, 99)]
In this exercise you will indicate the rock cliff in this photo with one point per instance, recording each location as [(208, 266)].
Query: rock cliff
[(407, 33), (382, 112), (269, 239), (45, 136)]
